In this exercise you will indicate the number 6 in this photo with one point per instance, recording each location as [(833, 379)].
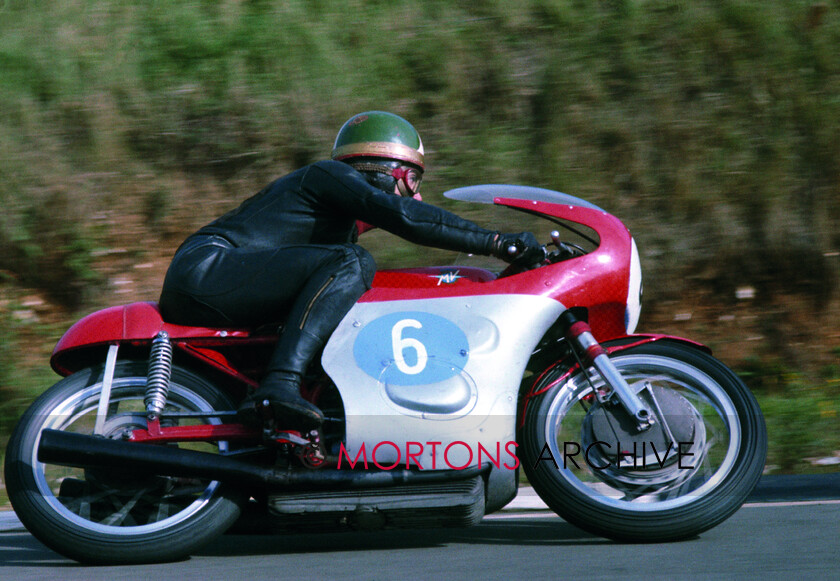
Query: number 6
[(400, 344)]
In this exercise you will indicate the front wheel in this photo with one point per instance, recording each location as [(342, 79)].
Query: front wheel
[(686, 475), (101, 516)]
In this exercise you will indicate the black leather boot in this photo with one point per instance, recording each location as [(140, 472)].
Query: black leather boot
[(317, 311), (278, 398), (281, 386)]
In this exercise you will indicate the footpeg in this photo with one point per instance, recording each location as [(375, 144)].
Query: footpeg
[(307, 448)]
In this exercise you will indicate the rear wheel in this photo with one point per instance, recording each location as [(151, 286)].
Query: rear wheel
[(651, 491), (101, 516)]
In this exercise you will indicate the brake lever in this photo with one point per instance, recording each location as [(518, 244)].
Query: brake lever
[(514, 249), (564, 249)]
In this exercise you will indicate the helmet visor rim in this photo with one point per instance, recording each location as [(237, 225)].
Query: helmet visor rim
[(383, 149)]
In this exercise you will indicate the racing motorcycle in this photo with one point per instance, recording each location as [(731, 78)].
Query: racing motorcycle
[(438, 387)]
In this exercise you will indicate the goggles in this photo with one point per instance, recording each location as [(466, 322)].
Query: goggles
[(408, 178)]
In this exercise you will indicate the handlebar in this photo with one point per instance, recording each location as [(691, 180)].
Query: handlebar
[(564, 251)]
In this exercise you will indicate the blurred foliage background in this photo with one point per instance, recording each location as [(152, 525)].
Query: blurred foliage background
[(711, 127)]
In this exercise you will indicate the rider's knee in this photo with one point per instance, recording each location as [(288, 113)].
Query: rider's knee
[(363, 262)]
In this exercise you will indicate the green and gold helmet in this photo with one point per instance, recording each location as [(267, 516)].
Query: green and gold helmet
[(380, 135)]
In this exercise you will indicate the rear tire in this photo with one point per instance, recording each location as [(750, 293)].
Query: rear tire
[(99, 516), (653, 504)]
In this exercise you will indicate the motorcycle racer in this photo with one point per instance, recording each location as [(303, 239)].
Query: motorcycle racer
[(289, 253)]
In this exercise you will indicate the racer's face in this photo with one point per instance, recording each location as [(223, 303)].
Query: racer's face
[(408, 181)]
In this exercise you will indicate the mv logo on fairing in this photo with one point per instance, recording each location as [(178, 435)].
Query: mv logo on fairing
[(446, 277)]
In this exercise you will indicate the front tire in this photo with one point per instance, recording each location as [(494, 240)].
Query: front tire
[(100, 516), (661, 501)]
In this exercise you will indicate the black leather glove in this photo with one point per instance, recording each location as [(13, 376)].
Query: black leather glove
[(522, 248)]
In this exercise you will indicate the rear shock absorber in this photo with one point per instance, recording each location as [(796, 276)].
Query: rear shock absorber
[(157, 378)]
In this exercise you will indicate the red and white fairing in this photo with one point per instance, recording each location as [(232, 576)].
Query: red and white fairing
[(418, 361)]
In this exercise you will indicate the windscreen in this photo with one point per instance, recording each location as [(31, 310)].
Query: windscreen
[(485, 194)]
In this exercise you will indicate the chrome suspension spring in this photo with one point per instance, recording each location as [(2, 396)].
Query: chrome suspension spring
[(157, 378)]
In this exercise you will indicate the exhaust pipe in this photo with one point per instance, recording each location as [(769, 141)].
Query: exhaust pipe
[(83, 451)]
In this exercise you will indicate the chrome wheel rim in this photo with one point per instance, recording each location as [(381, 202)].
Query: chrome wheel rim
[(147, 506), (721, 434)]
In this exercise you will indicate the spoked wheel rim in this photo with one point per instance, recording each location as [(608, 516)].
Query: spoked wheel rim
[(718, 453), (103, 502)]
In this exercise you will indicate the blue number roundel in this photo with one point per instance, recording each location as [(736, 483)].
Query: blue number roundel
[(411, 348)]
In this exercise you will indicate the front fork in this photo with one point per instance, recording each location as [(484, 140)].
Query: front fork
[(579, 335)]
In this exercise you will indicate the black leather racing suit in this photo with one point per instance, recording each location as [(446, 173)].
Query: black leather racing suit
[(289, 254)]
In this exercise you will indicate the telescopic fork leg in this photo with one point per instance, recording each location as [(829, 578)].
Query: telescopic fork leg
[(579, 334)]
